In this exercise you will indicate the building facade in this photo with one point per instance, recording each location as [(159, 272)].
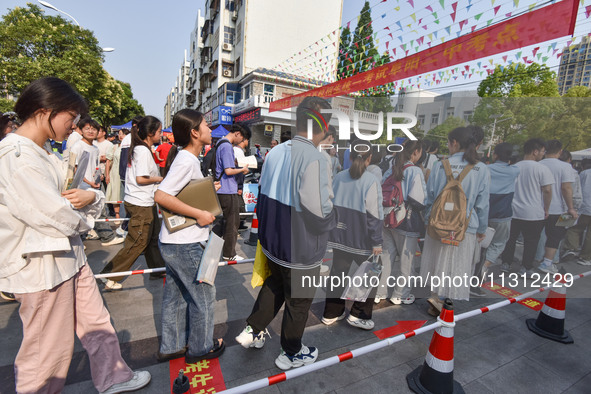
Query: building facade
[(575, 66)]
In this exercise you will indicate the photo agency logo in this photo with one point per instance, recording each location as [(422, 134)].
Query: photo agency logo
[(395, 122)]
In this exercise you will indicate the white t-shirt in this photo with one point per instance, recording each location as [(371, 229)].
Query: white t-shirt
[(72, 139), (528, 202), (143, 164), (126, 141), (104, 148), (184, 168), (563, 173), (93, 160)]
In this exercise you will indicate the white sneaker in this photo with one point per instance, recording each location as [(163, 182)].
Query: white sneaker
[(112, 285), (248, 339), (377, 299), (364, 324), (235, 258), (328, 322), (306, 355), (114, 241), (139, 380), (406, 301), (120, 232), (551, 269), (583, 261), (324, 269), (92, 235)]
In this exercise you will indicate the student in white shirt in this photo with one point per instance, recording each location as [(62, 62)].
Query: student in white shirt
[(141, 181), (186, 303), (562, 202), (531, 202), (43, 261)]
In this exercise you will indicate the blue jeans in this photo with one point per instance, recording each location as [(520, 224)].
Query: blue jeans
[(187, 306)]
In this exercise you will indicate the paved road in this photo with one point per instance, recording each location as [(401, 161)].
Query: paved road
[(494, 352)]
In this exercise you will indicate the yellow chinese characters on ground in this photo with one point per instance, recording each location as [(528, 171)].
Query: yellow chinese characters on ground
[(205, 377)]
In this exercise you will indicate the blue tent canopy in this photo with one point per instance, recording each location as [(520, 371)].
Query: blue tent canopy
[(123, 126), (168, 130), (219, 132)]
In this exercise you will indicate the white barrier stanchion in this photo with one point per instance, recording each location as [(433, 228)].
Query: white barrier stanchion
[(265, 382), (156, 270), (160, 216)]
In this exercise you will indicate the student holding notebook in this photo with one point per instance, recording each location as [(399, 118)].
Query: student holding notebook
[(183, 250)]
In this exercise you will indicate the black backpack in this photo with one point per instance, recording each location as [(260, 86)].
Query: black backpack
[(209, 161)]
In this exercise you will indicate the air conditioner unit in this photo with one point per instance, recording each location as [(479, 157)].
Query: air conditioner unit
[(227, 47), (227, 73), (235, 15)]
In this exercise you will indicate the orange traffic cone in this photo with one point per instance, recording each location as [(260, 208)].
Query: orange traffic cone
[(436, 375), (254, 230), (550, 321)]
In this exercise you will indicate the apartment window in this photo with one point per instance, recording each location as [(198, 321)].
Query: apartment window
[(449, 112), (435, 119), (269, 90), (237, 69), (229, 35), (246, 92), (467, 115), (421, 119), (400, 107), (230, 5), (239, 32)]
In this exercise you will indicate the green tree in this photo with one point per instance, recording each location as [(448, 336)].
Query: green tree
[(578, 91), (36, 45), (6, 105), (363, 47), (440, 132), (534, 80), (345, 62)]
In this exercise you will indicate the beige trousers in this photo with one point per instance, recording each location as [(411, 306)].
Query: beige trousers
[(50, 320)]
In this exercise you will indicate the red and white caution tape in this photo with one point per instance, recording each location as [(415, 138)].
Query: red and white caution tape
[(160, 216), (265, 382), (113, 202), (157, 270)]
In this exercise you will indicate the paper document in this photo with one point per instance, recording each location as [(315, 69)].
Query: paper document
[(250, 161)]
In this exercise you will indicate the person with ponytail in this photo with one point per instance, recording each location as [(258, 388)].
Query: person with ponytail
[(402, 243), (43, 261), (438, 258), (140, 184), (358, 233), (187, 306)]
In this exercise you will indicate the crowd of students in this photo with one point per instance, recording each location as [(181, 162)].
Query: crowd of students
[(367, 207)]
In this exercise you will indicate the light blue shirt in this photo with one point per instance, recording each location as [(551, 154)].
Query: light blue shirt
[(502, 177), (475, 185)]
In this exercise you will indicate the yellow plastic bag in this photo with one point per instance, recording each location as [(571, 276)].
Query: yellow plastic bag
[(260, 270)]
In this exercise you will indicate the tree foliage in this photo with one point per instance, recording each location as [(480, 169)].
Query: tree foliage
[(440, 132), (521, 102), (36, 45)]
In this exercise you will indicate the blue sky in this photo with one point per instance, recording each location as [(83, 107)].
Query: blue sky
[(150, 36)]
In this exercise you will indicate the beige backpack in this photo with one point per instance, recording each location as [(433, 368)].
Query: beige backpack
[(448, 221)]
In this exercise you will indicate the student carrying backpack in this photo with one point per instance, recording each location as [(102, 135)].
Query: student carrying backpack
[(209, 161), (393, 200), (457, 217), (448, 220)]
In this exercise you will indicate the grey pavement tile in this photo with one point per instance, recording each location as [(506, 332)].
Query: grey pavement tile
[(581, 387), (392, 380), (469, 364), (238, 362), (570, 361), (253, 377), (476, 387), (524, 376), (393, 356)]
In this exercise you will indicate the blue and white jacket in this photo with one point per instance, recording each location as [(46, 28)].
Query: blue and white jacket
[(475, 185), (358, 203), (502, 189), (294, 208)]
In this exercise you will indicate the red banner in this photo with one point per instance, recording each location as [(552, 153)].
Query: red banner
[(547, 23)]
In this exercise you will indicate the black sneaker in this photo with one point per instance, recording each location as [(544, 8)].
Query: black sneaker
[(477, 292)]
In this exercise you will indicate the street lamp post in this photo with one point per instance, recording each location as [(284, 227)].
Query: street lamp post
[(52, 7)]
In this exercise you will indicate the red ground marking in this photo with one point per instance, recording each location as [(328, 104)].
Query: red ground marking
[(402, 327), (511, 294), (204, 376)]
